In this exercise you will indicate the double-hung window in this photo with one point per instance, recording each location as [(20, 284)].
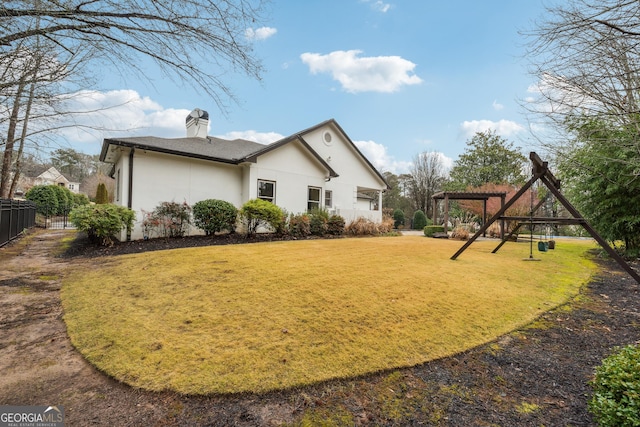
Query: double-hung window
[(313, 200), (267, 190), (328, 199)]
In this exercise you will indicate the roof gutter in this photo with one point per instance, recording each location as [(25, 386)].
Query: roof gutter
[(130, 186)]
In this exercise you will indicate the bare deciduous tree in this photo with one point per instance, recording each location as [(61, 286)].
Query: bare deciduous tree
[(44, 44), (428, 174), (586, 56), (192, 40)]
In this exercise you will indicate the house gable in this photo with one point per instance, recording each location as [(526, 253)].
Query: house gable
[(331, 142), (292, 169)]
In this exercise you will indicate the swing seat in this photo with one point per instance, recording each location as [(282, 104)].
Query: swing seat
[(543, 246), (552, 244)]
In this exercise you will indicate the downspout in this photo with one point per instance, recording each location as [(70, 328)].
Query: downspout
[(130, 191)]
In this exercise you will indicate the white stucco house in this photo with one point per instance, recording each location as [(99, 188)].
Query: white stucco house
[(317, 167)]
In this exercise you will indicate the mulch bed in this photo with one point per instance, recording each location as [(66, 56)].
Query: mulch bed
[(81, 247), (537, 376)]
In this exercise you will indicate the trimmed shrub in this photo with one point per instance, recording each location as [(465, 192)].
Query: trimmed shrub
[(102, 222), (299, 225), (335, 225), (419, 220), (80, 199), (616, 398), (65, 198), (213, 216), (398, 218), (258, 213), (168, 219), (430, 230), (45, 198), (318, 221), (51, 199), (102, 195)]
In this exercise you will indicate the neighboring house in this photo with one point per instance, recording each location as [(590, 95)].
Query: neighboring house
[(46, 176), (317, 167)]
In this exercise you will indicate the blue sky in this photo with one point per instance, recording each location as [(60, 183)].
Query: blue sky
[(400, 77)]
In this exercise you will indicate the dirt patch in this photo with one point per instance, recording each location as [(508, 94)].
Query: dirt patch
[(532, 377)]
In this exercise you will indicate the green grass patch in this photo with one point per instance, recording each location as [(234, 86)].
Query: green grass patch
[(527, 408), (267, 316)]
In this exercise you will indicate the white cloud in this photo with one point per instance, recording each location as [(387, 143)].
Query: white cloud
[(125, 113), (446, 161), (363, 74), (378, 5), (261, 33), (505, 128), (497, 106), (252, 135), (98, 115), (378, 156)]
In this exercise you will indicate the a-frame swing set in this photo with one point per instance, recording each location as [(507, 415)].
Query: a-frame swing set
[(541, 172)]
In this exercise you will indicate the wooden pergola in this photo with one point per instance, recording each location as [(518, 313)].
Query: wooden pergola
[(466, 195), (542, 173)]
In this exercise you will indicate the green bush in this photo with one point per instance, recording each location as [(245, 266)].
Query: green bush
[(318, 221), (80, 199), (45, 198), (335, 225), (299, 225), (258, 213), (398, 218), (102, 222), (430, 230), (419, 220), (52, 199), (168, 219), (616, 398), (61, 198), (214, 215)]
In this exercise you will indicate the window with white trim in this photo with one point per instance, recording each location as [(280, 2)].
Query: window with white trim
[(313, 199), (267, 190), (328, 199)]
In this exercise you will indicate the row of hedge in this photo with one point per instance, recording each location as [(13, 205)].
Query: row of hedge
[(54, 199), (171, 219)]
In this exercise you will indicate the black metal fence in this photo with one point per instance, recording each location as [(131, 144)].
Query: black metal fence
[(54, 217), (16, 216)]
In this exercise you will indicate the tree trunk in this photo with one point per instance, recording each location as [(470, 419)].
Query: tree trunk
[(23, 137), (8, 149)]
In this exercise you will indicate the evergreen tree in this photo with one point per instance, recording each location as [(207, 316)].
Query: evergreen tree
[(488, 159), (102, 196)]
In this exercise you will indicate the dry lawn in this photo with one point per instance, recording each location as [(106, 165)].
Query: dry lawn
[(266, 316)]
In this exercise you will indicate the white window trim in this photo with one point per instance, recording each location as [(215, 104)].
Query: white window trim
[(273, 198), (328, 197), (309, 201)]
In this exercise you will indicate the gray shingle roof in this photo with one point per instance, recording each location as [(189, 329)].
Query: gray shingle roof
[(210, 148)]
